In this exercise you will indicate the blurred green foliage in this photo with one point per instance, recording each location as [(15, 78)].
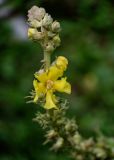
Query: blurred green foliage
[(88, 42)]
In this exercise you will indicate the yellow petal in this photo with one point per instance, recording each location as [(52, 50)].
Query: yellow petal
[(35, 84), (39, 88), (41, 76), (49, 101), (54, 99), (62, 86), (54, 73), (62, 62)]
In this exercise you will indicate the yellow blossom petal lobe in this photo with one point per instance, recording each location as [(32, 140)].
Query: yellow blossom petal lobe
[(62, 86), (54, 73), (41, 76), (39, 87), (40, 90), (49, 101), (35, 84)]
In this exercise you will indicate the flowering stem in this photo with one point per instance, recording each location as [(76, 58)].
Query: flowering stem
[(47, 60), (61, 131)]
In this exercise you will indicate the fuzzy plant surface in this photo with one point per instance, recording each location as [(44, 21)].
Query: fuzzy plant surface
[(61, 132)]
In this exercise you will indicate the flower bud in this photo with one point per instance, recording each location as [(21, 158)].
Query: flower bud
[(31, 32), (100, 153), (58, 144), (41, 13), (51, 134), (38, 36), (36, 13), (35, 23), (76, 138), (87, 144), (34, 34), (68, 126), (50, 34), (56, 26), (56, 40), (62, 62), (47, 20)]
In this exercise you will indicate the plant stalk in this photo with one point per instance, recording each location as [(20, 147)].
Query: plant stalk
[(47, 60)]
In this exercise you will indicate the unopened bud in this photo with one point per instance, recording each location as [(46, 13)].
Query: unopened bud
[(50, 34), (47, 20), (36, 13), (31, 32), (56, 26), (35, 23), (62, 62), (58, 144), (41, 13), (51, 134), (77, 138), (100, 153), (68, 125), (34, 34), (56, 40), (87, 144)]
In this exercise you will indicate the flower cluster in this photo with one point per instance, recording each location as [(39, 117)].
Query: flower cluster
[(49, 81), (43, 29)]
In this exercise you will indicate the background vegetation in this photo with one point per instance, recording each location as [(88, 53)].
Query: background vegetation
[(87, 41)]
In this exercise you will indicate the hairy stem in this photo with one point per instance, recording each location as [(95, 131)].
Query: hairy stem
[(47, 60)]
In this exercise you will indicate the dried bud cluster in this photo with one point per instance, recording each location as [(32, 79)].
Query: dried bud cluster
[(63, 134), (43, 29)]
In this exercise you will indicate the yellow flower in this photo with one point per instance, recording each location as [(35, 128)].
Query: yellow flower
[(47, 83)]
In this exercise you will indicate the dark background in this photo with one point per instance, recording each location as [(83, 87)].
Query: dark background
[(87, 41)]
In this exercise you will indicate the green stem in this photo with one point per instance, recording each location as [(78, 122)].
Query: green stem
[(47, 60)]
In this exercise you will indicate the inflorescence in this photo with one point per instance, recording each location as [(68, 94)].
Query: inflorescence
[(61, 131)]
